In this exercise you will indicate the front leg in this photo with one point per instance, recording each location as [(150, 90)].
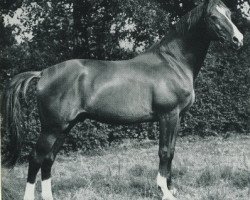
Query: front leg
[(168, 130)]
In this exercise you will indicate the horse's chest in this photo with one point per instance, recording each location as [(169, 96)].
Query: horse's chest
[(171, 94)]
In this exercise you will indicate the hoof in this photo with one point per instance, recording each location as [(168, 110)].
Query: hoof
[(47, 198), (172, 198), (28, 198)]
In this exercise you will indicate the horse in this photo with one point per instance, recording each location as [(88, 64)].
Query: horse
[(156, 85)]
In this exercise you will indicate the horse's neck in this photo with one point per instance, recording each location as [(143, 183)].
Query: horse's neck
[(189, 49)]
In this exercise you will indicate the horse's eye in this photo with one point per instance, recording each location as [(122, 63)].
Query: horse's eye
[(213, 17), (229, 15)]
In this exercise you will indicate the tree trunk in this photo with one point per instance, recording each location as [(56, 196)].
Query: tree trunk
[(81, 23)]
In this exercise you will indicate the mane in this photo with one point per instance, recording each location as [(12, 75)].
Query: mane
[(189, 20), (184, 25)]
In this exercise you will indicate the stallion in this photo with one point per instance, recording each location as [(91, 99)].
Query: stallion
[(157, 85)]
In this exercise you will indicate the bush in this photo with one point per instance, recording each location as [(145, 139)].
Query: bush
[(221, 93)]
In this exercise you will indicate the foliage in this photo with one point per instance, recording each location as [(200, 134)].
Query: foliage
[(221, 93)]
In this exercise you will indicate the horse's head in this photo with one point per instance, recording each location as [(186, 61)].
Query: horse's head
[(220, 25)]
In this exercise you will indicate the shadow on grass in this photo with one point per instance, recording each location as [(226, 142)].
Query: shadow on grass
[(9, 192), (179, 172), (138, 181), (238, 178), (72, 184), (12, 187), (206, 178), (215, 195)]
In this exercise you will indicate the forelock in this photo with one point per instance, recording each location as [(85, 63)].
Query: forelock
[(212, 3)]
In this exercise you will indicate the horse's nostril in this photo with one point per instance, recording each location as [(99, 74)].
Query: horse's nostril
[(235, 39)]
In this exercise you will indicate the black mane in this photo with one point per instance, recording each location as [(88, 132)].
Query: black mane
[(189, 20), (184, 25)]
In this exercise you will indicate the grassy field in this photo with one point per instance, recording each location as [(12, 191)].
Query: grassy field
[(203, 169)]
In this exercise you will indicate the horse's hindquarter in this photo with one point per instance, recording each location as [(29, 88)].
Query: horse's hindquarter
[(58, 91)]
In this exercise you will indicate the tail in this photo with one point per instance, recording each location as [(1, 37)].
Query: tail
[(12, 117)]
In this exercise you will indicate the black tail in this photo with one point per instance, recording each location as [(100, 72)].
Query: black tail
[(12, 117)]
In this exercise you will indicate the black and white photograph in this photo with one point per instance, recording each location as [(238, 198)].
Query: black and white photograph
[(125, 99)]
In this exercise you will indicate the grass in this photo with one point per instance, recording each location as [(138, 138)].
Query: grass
[(203, 169)]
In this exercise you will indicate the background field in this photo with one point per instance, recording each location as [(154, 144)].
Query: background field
[(214, 168)]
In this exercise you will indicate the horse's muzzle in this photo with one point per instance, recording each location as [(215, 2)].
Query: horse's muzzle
[(237, 41)]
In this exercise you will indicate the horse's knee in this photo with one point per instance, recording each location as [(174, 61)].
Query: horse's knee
[(46, 166), (166, 154), (48, 160), (37, 157), (35, 162)]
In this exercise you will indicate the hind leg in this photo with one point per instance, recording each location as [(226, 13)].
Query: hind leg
[(46, 169), (42, 153)]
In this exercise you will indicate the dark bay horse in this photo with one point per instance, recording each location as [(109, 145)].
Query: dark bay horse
[(157, 85)]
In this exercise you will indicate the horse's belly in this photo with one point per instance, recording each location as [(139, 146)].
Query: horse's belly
[(125, 104), (126, 113)]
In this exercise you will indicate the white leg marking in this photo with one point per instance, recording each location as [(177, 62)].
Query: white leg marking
[(162, 182), (173, 191), (29, 192), (46, 190)]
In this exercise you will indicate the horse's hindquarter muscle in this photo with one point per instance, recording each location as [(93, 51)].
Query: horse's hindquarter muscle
[(59, 91)]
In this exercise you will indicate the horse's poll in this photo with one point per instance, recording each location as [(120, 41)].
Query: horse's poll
[(157, 85)]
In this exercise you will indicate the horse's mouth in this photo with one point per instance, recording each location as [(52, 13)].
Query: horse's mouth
[(222, 39), (236, 47)]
